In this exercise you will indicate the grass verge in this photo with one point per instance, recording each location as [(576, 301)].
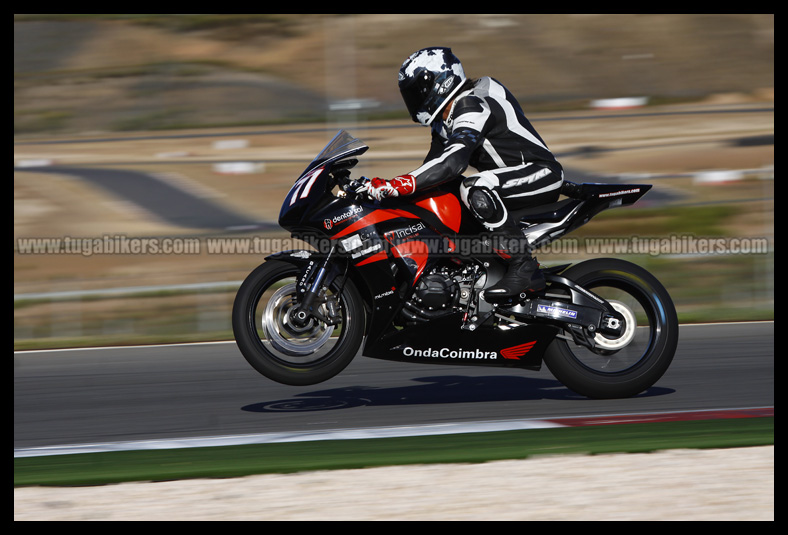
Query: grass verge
[(237, 461)]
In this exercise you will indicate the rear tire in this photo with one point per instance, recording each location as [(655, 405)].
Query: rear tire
[(613, 371), (275, 346)]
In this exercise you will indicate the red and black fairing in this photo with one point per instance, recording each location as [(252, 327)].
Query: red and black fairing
[(408, 232), (390, 245), (388, 248)]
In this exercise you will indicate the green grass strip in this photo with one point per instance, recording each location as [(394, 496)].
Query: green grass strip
[(236, 461)]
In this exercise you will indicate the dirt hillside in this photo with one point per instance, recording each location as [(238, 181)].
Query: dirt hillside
[(134, 72)]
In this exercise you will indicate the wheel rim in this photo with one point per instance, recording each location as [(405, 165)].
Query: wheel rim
[(614, 356), (283, 334), (628, 333), (280, 338)]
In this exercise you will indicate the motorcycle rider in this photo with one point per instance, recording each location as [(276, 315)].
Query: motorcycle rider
[(478, 123)]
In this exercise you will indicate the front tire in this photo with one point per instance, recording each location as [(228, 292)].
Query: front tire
[(626, 367), (283, 351)]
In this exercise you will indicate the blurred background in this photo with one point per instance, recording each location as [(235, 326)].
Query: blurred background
[(192, 128)]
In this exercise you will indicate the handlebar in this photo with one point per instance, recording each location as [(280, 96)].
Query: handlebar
[(357, 188)]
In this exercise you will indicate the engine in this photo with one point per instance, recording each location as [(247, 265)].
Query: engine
[(435, 291), (439, 293)]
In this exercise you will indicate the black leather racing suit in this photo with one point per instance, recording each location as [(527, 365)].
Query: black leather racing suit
[(486, 129)]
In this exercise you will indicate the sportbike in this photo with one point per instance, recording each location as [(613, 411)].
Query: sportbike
[(403, 279)]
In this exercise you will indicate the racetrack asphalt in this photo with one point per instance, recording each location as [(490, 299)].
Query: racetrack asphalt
[(179, 391)]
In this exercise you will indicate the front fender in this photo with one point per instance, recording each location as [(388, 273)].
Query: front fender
[(308, 264), (297, 257)]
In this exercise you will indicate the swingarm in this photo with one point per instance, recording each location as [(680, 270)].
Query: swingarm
[(583, 314)]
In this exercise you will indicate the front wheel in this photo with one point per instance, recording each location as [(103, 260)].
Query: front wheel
[(633, 362), (288, 351)]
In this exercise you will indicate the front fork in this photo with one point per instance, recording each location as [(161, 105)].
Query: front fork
[(315, 296)]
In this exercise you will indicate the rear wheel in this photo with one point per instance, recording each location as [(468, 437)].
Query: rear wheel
[(288, 351), (630, 363)]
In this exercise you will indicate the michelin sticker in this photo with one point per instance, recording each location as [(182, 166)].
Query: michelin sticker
[(556, 311)]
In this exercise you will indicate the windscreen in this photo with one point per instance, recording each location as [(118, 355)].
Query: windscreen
[(343, 144)]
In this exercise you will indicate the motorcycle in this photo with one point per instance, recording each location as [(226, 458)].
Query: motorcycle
[(403, 279)]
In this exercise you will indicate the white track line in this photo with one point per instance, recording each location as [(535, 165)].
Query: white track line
[(294, 436), (342, 434)]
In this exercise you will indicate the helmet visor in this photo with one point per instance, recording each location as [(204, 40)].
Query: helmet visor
[(415, 90)]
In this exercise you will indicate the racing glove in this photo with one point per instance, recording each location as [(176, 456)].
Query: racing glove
[(379, 188)]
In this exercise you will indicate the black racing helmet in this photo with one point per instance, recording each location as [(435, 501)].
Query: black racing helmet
[(428, 80)]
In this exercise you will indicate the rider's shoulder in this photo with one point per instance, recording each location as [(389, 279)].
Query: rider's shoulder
[(477, 93), (469, 101)]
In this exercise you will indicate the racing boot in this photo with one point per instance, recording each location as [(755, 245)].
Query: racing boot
[(523, 274)]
